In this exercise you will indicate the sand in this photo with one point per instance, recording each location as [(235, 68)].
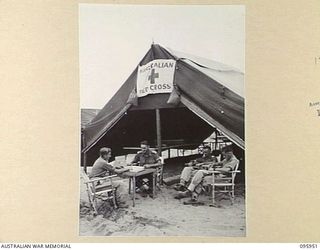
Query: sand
[(165, 216)]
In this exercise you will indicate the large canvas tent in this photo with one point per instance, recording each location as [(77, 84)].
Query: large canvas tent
[(211, 96)]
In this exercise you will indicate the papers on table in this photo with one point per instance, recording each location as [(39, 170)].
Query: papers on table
[(135, 169)]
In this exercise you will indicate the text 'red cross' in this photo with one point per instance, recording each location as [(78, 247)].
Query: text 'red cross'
[(153, 76)]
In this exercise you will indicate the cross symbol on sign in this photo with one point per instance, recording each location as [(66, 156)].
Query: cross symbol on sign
[(153, 76)]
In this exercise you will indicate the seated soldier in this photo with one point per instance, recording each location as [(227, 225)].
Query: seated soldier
[(102, 168), (148, 159), (193, 166), (228, 164)]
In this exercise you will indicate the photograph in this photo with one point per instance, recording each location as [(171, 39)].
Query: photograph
[(162, 108)]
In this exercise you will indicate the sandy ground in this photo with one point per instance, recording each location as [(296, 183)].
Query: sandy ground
[(165, 216)]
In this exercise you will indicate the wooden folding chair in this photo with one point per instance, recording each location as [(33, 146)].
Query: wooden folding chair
[(160, 172), (159, 167), (224, 184), (97, 187)]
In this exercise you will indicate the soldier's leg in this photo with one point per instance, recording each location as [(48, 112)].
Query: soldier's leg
[(139, 181), (150, 183), (122, 196), (196, 180), (186, 175), (196, 184)]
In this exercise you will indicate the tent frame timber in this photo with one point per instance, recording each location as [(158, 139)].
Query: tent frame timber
[(158, 125)]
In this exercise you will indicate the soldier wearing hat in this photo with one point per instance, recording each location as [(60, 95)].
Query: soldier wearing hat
[(192, 167), (226, 165)]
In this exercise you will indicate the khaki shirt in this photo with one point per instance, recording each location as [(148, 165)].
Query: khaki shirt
[(149, 157), (230, 164), (101, 168)]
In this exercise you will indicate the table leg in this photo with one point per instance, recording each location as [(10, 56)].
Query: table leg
[(134, 189), (213, 199), (154, 184)]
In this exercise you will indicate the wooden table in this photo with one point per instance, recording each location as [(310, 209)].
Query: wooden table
[(132, 180)]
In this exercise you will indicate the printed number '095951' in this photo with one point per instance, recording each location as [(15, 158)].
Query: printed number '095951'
[(307, 246)]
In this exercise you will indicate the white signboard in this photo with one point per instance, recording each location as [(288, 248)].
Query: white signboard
[(156, 77)]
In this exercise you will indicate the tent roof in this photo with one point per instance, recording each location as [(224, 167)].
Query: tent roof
[(229, 76), (211, 90), (87, 115)]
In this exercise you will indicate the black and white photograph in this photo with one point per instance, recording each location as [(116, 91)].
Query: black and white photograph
[(162, 99)]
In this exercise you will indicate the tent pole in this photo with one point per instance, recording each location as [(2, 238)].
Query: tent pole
[(216, 139), (158, 123), (85, 162)]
